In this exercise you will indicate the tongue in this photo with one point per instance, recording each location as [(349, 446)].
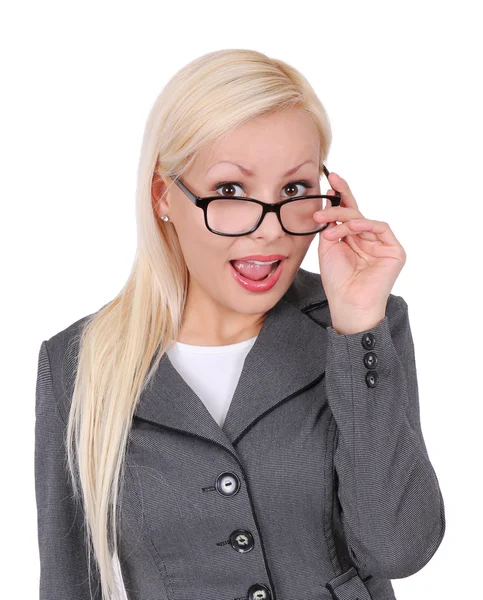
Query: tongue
[(251, 270)]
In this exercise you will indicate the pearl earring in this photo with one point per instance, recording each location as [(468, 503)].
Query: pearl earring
[(165, 218)]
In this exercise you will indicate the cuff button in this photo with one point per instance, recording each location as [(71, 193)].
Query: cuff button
[(372, 378), (368, 341), (370, 360)]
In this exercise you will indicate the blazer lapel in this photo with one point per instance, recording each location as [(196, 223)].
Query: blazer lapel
[(288, 355)]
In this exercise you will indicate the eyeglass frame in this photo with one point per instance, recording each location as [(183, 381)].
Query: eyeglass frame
[(203, 202)]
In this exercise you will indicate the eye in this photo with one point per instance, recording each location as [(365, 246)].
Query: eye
[(293, 186), (227, 185)]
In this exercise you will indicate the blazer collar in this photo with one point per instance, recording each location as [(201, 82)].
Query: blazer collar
[(288, 355)]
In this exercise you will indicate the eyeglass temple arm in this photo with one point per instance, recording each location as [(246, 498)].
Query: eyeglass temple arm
[(327, 173), (338, 197), (181, 185)]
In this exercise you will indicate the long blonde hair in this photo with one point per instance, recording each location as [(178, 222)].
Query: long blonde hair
[(120, 345)]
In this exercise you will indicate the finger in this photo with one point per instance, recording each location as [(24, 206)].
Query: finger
[(329, 227), (337, 213), (361, 227), (343, 188), (328, 239), (381, 230)]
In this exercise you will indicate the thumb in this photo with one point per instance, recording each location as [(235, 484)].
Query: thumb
[(330, 226), (327, 241)]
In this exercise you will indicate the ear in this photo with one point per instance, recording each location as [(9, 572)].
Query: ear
[(158, 187)]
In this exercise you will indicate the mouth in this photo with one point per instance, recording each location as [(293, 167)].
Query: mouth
[(257, 278), (255, 270)]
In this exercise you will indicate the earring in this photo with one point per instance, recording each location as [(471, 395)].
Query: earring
[(165, 218)]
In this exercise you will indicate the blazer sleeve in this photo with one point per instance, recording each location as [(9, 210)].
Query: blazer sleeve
[(392, 507), (64, 573)]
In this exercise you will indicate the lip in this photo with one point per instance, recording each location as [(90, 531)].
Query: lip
[(262, 257), (259, 286)]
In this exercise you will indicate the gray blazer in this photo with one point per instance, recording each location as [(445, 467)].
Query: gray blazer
[(318, 485)]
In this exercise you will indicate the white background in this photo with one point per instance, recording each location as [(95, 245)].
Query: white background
[(401, 82)]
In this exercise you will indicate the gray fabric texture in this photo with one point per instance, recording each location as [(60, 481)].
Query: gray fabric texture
[(335, 478)]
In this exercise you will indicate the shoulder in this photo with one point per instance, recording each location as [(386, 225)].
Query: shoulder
[(61, 353)]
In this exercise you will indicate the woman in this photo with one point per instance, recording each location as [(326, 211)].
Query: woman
[(229, 426)]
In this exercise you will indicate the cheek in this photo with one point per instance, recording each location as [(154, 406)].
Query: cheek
[(204, 251), (302, 243)]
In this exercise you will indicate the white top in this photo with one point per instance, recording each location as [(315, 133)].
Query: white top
[(212, 372)]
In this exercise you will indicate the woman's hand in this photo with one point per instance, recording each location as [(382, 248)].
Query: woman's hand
[(359, 271)]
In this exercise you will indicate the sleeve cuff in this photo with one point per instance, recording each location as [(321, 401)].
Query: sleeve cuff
[(366, 354)]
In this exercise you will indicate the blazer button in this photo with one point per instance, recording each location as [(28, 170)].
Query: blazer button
[(227, 484), (371, 378), (258, 591), (368, 341), (370, 360), (242, 540)]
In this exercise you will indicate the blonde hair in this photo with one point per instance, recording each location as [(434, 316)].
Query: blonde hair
[(120, 345)]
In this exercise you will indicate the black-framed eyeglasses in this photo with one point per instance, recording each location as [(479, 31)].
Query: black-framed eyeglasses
[(237, 215)]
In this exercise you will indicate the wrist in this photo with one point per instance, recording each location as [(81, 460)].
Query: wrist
[(356, 323)]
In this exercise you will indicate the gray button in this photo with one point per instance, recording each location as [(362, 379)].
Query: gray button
[(368, 341), (242, 540), (370, 360), (372, 378), (227, 484), (258, 591)]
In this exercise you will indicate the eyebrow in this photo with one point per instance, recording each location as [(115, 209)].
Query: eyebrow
[(249, 173)]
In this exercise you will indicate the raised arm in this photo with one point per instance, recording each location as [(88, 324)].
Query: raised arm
[(393, 509)]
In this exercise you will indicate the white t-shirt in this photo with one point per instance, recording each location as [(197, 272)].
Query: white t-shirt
[(212, 372)]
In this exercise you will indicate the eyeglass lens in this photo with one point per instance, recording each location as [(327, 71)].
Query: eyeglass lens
[(240, 216)]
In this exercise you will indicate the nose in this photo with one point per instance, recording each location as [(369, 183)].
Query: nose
[(270, 225)]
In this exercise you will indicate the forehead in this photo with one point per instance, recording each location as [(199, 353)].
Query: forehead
[(276, 141)]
